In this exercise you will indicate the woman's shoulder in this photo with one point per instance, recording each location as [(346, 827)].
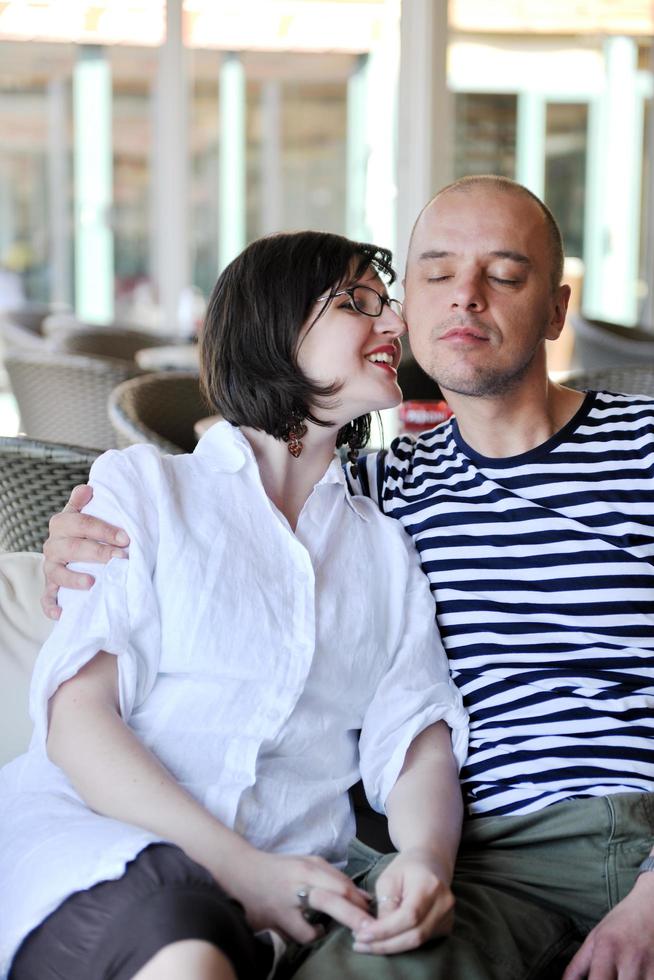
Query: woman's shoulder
[(386, 533), (138, 465)]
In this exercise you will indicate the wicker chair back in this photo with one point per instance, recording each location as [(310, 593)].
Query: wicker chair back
[(117, 342), (63, 397), (23, 328), (158, 408), (35, 481), (599, 344), (630, 380)]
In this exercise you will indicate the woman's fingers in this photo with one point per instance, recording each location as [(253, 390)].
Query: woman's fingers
[(407, 931), (411, 908), (349, 910), (323, 894)]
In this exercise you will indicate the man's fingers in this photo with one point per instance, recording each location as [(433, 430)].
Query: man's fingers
[(60, 577), (79, 497), (579, 965), (59, 551), (49, 603), (72, 524)]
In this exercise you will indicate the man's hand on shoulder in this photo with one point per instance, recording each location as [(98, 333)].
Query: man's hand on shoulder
[(76, 537), (620, 947)]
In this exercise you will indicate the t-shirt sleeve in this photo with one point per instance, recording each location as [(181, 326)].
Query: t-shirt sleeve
[(415, 692), (120, 613), (366, 478), (376, 475)]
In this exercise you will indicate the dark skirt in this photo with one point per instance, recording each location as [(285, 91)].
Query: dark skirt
[(111, 930)]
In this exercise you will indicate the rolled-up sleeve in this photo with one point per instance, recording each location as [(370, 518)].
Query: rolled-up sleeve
[(120, 613), (415, 692)]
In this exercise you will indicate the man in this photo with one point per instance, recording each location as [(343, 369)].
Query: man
[(533, 513)]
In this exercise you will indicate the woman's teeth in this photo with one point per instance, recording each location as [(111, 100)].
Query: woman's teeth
[(380, 358)]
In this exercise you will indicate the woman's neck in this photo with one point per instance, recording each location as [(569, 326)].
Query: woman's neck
[(288, 481)]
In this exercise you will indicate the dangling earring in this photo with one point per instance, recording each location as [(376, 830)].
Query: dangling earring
[(295, 432)]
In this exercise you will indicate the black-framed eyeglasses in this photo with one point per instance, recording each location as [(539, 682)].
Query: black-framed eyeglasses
[(367, 300)]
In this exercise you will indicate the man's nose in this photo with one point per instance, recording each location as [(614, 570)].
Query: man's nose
[(468, 293)]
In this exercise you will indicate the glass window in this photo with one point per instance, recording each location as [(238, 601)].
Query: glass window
[(33, 113), (484, 134), (295, 154), (132, 71), (565, 170)]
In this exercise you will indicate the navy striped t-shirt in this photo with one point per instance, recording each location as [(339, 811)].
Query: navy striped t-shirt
[(541, 566)]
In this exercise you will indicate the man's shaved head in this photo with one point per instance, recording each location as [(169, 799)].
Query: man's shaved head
[(503, 184)]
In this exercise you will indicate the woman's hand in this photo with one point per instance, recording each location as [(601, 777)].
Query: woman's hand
[(414, 904), (117, 775), (267, 886), (76, 537)]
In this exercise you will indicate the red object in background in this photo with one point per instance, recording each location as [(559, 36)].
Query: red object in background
[(416, 416)]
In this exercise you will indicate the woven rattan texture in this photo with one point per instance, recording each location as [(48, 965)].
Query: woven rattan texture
[(35, 481), (628, 380), (159, 408), (23, 329), (63, 397), (108, 342)]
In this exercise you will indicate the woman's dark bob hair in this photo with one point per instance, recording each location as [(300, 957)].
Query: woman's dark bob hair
[(249, 342)]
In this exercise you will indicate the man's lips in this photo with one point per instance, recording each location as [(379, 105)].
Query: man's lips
[(465, 335)]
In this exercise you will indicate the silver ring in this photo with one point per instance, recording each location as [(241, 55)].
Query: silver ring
[(388, 898), (302, 895)]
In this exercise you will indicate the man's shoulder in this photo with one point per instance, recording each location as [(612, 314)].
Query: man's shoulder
[(622, 400), (423, 448), (611, 409), (378, 471)]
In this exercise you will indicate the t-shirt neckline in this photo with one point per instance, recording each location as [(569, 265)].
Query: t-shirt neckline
[(538, 452)]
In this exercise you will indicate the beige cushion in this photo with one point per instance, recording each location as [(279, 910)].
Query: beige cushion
[(23, 629)]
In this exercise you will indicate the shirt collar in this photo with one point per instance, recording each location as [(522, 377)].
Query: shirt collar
[(225, 447), (336, 474), (227, 450)]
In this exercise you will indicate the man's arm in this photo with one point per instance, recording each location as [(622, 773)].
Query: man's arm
[(76, 537), (621, 944), (425, 811)]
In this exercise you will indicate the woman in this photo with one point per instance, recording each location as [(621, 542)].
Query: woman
[(201, 713)]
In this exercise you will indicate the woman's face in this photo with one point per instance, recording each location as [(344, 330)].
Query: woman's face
[(355, 350)]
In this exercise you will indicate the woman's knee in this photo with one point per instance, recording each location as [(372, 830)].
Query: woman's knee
[(193, 959)]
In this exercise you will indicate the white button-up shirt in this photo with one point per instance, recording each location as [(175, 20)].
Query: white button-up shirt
[(249, 659)]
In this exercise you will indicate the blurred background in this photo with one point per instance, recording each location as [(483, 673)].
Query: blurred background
[(145, 142)]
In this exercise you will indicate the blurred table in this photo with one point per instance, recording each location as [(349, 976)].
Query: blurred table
[(202, 425), (173, 357)]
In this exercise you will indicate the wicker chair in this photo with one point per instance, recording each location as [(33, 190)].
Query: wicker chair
[(35, 481), (630, 380), (158, 408), (23, 329), (63, 397), (117, 342), (600, 344)]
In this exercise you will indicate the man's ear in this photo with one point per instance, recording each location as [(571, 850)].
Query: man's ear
[(560, 302)]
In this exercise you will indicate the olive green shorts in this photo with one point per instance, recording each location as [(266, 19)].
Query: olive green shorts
[(528, 890)]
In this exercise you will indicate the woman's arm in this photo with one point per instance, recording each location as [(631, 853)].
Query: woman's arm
[(424, 817), (116, 775)]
